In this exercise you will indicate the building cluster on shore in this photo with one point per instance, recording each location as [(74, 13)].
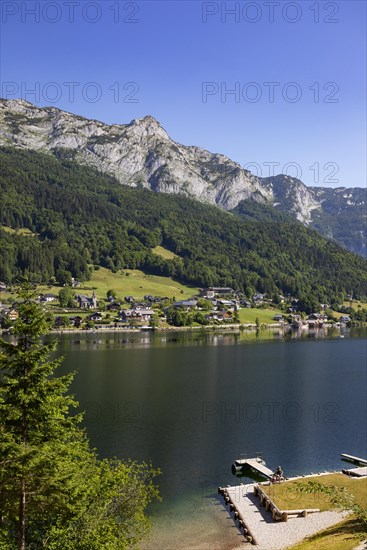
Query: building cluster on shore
[(212, 306)]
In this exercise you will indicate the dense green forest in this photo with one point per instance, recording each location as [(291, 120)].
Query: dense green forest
[(251, 210), (80, 217)]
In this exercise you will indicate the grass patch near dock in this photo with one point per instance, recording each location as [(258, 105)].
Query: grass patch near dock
[(345, 535), (286, 496)]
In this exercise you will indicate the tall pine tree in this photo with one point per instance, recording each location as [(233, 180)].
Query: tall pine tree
[(54, 491)]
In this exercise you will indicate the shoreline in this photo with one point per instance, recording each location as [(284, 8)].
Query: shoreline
[(220, 329), (204, 328), (162, 330), (237, 328)]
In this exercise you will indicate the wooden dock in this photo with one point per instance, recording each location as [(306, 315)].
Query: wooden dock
[(256, 464), (355, 459), (356, 472), (245, 503)]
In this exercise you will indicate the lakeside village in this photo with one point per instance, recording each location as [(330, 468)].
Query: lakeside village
[(212, 307)]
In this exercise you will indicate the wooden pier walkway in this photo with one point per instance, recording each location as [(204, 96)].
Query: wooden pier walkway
[(269, 531), (355, 459), (356, 472), (256, 464)]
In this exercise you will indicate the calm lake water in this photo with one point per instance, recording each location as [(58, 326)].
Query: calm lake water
[(190, 404)]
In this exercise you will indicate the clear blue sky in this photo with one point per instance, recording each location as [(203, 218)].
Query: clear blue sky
[(181, 58)]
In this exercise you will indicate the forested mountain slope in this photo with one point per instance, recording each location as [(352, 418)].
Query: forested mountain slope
[(78, 216), (141, 154)]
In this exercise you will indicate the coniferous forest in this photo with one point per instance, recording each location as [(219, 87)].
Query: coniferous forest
[(73, 217)]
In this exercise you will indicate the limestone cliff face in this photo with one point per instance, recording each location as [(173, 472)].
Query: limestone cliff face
[(292, 196), (142, 154)]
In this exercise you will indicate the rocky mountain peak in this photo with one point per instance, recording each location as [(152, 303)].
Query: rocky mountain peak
[(141, 153), (149, 126)]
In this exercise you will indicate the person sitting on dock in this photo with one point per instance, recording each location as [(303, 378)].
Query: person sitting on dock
[(277, 476)]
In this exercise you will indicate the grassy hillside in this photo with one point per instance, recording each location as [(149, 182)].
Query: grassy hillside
[(355, 305), (127, 283), (265, 316), (164, 253), (138, 284)]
